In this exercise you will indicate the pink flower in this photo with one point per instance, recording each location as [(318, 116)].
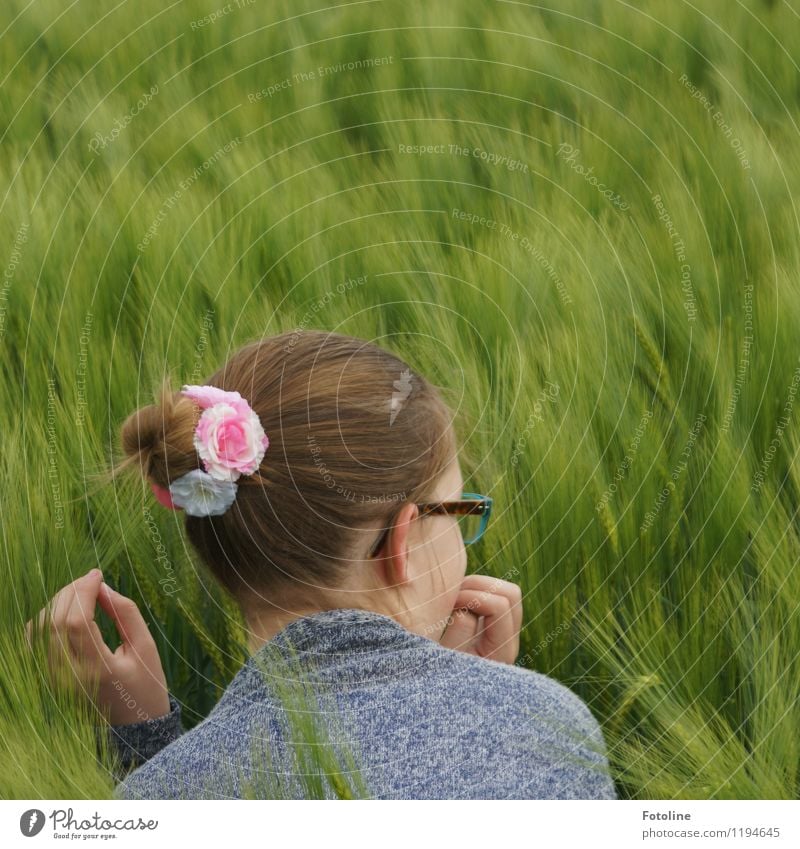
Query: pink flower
[(207, 396), (229, 437)]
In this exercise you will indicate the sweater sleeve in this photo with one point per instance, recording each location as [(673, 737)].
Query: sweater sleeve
[(583, 770), (139, 741), (560, 750), (598, 783)]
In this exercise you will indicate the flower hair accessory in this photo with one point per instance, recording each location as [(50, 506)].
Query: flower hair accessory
[(230, 441)]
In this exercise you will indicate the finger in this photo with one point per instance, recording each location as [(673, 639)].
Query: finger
[(55, 611), (91, 660), (85, 592), (462, 628), (513, 593), (491, 584), (32, 626), (499, 636), (130, 624), (82, 631), (52, 616), (498, 586)]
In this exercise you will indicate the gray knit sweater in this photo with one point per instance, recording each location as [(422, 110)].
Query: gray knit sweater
[(422, 721)]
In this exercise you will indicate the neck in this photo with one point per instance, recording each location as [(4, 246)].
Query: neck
[(264, 623)]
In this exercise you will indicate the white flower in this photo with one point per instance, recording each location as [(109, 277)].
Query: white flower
[(199, 494)]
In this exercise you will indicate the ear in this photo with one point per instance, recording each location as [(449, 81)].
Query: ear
[(393, 555)]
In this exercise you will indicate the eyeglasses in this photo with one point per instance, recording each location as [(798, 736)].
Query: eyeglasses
[(473, 511)]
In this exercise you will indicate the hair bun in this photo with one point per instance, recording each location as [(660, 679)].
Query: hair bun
[(161, 437)]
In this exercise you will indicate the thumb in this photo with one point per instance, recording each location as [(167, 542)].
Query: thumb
[(128, 620)]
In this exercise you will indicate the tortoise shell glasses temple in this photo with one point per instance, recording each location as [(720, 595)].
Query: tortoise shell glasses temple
[(471, 504)]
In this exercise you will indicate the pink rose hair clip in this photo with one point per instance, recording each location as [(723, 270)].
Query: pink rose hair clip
[(230, 441)]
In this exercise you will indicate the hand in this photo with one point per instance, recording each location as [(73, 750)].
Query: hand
[(129, 683), (486, 619)]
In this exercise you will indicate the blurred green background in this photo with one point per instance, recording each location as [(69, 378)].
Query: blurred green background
[(578, 216)]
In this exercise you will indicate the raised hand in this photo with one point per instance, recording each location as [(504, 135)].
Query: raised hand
[(128, 684), (486, 619)]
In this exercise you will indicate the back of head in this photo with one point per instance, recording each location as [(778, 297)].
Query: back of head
[(354, 433)]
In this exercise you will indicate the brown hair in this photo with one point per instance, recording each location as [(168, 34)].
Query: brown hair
[(354, 433)]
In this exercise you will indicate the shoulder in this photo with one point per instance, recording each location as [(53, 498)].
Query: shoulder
[(542, 693), (167, 774), (517, 686), (545, 735), (203, 762)]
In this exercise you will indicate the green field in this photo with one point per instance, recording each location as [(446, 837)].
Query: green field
[(579, 217)]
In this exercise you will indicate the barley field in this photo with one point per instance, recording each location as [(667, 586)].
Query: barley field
[(578, 217)]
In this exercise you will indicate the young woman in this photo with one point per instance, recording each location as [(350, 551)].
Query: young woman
[(320, 482)]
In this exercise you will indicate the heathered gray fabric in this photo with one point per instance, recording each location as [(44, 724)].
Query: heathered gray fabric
[(425, 722)]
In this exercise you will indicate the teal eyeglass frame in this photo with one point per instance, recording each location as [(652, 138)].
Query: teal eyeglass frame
[(470, 503), (483, 507)]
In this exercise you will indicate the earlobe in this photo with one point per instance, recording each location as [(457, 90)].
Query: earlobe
[(404, 575), (400, 569)]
